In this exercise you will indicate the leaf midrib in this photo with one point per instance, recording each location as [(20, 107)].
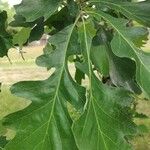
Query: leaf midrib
[(56, 92), (61, 73), (90, 87)]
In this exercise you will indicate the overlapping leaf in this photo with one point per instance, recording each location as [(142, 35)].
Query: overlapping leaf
[(99, 54), (121, 70), (139, 11), (63, 18), (105, 123), (123, 46)]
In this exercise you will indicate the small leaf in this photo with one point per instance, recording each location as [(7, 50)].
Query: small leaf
[(61, 19), (21, 37), (140, 115)]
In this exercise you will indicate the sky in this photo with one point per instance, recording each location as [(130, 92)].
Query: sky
[(13, 2)]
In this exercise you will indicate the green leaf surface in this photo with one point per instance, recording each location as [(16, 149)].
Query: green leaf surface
[(122, 72), (37, 32), (103, 126), (20, 21), (3, 142), (123, 46), (32, 10), (107, 119), (99, 55), (104, 45), (138, 35), (21, 37), (46, 123), (139, 11), (61, 19), (5, 37)]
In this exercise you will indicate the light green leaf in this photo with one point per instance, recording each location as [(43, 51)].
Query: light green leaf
[(138, 35), (21, 37)]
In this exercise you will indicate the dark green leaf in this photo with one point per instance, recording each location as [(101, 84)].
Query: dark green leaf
[(122, 72), (37, 31), (3, 142), (5, 37)]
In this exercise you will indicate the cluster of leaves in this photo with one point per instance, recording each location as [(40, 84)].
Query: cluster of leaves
[(103, 38)]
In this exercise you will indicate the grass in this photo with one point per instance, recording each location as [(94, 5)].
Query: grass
[(27, 70), (142, 142)]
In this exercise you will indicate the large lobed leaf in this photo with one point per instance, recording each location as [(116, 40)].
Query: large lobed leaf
[(107, 119), (46, 124)]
